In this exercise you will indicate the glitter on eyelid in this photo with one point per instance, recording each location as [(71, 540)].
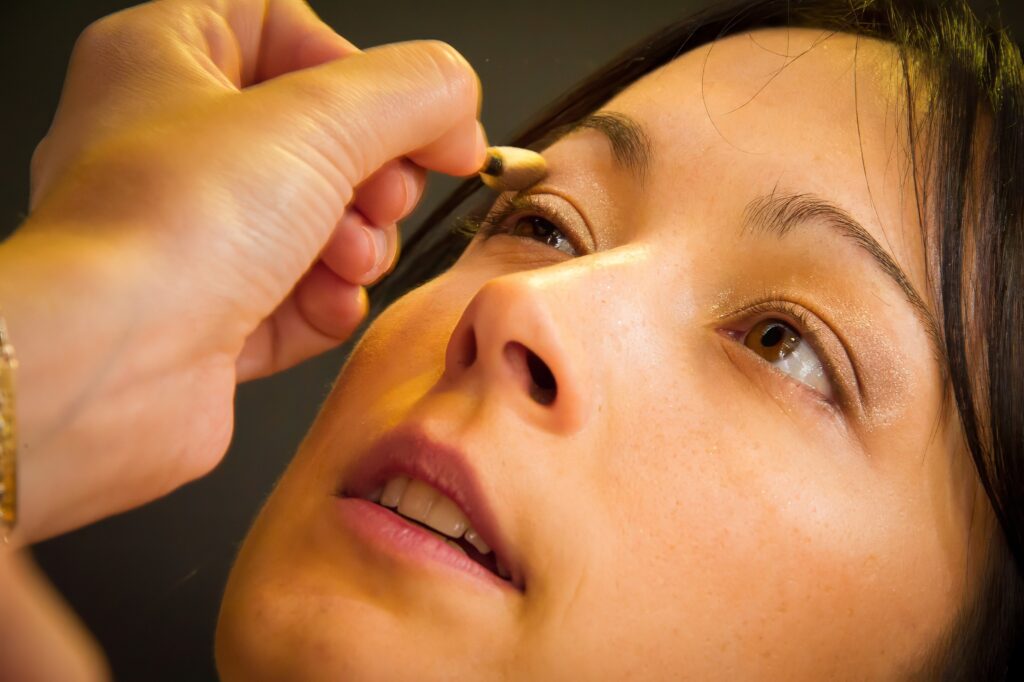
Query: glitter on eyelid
[(722, 300), (887, 401)]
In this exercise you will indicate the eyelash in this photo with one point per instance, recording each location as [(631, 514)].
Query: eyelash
[(505, 209), (522, 206)]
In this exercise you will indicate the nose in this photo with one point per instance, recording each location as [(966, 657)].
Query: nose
[(510, 341)]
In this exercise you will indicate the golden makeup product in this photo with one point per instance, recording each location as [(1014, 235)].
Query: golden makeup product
[(511, 169), (8, 438)]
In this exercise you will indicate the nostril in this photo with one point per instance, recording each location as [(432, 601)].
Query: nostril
[(544, 388), (535, 374), (465, 348)]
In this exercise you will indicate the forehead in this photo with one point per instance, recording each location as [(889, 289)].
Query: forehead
[(798, 109), (766, 90)]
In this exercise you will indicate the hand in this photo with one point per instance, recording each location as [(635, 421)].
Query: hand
[(202, 213)]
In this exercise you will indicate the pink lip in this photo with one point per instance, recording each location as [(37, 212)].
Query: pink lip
[(411, 452), (388, 532)]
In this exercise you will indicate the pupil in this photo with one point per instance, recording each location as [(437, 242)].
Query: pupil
[(544, 231), (772, 336)]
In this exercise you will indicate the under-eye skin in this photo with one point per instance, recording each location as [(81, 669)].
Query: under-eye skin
[(789, 341), (523, 216)]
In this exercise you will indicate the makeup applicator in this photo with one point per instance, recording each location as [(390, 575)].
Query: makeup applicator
[(512, 168)]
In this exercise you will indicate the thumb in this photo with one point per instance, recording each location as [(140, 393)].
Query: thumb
[(360, 112), (293, 37)]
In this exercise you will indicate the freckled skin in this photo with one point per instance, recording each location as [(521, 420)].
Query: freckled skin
[(683, 509)]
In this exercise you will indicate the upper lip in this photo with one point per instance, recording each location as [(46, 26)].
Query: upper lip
[(413, 453)]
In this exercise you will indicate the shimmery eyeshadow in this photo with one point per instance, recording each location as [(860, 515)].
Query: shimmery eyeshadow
[(886, 400)]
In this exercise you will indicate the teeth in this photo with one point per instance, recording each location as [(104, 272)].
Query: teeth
[(456, 546), (421, 502), (426, 505), (374, 495), (473, 538), (417, 501), (445, 517), (393, 491)]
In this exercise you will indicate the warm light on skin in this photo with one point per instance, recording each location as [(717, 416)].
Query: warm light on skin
[(691, 513)]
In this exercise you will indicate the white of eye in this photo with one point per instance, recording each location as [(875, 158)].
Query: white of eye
[(803, 364), (543, 230), (784, 348)]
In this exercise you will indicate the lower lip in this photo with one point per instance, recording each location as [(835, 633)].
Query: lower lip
[(385, 531)]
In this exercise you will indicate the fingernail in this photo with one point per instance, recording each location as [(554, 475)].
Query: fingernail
[(363, 301), (481, 144), (410, 194), (378, 245)]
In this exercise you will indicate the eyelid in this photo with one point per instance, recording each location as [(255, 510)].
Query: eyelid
[(830, 349), (573, 221)]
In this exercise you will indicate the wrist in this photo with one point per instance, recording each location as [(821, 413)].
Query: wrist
[(77, 317), (47, 277)]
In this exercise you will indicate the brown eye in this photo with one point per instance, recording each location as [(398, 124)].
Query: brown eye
[(786, 350), (542, 230), (773, 340)]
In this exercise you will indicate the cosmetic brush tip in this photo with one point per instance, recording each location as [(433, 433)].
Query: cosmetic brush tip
[(512, 168)]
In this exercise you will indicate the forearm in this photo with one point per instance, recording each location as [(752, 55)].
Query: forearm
[(40, 639)]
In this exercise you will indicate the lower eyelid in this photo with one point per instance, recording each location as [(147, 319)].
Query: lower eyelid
[(830, 350), (747, 362)]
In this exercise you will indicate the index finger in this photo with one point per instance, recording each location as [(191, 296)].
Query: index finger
[(292, 37), (254, 40), (238, 42)]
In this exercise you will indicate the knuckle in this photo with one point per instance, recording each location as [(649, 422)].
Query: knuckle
[(456, 74), (39, 155), (111, 38), (37, 170), (99, 35)]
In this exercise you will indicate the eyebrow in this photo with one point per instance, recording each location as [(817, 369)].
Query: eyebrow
[(631, 147), (778, 214)]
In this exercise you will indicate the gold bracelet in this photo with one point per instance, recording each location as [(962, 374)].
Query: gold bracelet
[(8, 437)]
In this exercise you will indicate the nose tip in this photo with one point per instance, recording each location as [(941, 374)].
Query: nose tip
[(526, 367), (508, 341)]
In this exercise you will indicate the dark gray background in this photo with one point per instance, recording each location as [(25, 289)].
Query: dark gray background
[(148, 582)]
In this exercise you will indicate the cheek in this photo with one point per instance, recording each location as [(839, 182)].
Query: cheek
[(732, 531)]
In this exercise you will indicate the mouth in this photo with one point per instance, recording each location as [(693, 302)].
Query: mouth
[(426, 499)]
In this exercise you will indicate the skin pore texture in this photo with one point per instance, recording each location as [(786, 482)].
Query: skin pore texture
[(683, 509)]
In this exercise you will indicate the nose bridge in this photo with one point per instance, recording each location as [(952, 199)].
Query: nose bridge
[(514, 339)]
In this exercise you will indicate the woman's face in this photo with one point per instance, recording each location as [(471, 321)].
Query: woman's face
[(697, 409)]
